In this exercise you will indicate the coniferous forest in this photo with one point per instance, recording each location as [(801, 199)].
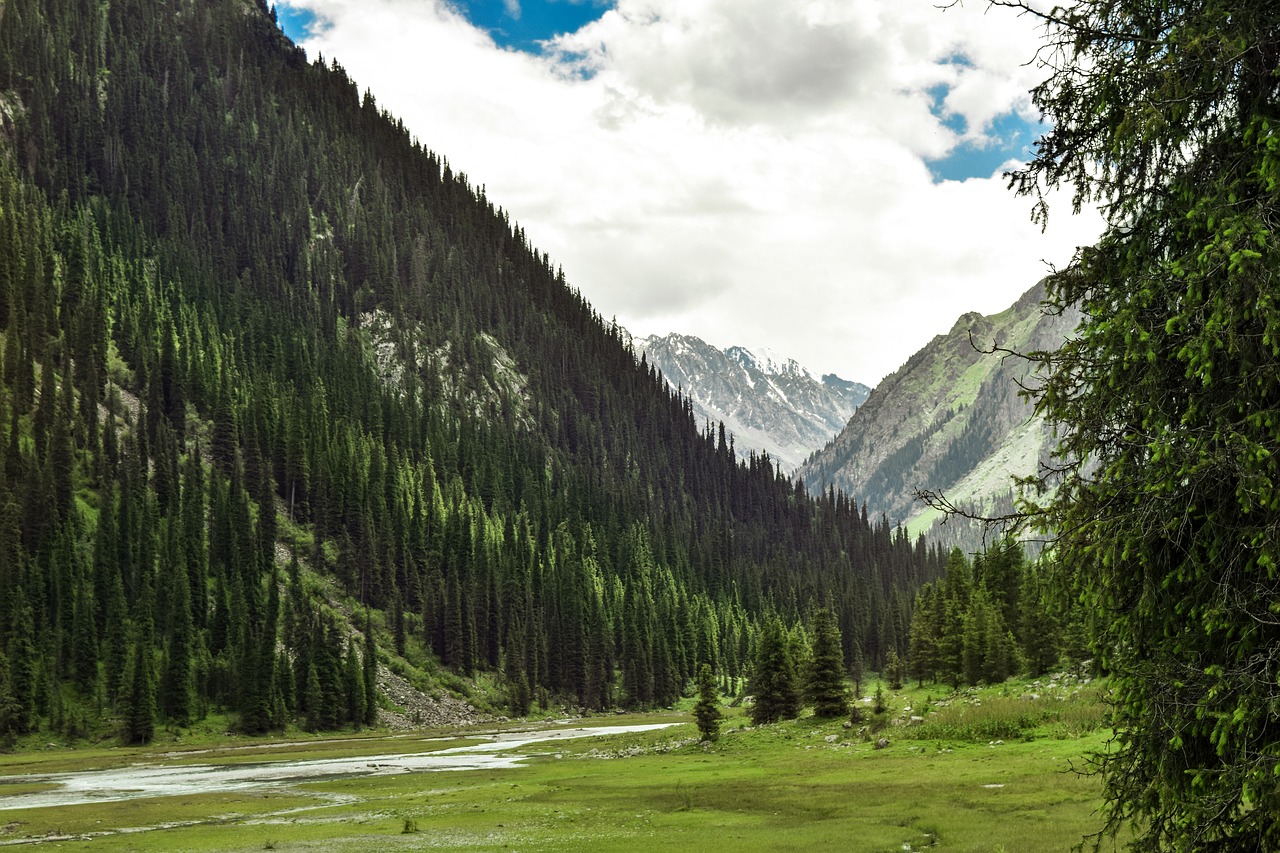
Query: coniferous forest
[(259, 344)]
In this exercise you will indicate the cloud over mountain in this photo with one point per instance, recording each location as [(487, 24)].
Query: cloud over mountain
[(738, 169)]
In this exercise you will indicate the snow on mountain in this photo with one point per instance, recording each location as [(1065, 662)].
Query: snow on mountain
[(768, 402), (767, 361)]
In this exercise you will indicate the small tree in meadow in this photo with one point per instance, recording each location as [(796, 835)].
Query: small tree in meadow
[(824, 675), (707, 711), (773, 681)]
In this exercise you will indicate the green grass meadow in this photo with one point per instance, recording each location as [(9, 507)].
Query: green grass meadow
[(805, 785)]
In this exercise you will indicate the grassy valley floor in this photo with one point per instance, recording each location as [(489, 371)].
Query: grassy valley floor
[(943, 785)]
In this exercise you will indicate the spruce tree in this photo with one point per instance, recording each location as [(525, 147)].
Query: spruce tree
[(84, 641), (893, 669), (707, 710), (314, 699), (773, 680), (1166, 400), (824, 687), (23, 661), (353, 686), (139, 710), (1039, 626), (177, 682), (857, 669)]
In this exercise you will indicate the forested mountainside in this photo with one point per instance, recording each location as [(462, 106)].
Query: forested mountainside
[(283, 395), (768, 404), (950, 420)]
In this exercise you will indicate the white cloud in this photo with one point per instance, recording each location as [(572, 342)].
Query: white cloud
[(748, 171)]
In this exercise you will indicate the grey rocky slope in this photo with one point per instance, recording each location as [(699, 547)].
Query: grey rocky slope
[(767, 402), (951, 419)]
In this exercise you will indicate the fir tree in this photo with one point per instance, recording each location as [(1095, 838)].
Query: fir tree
[(139, 710), (773, 681), (824, 674), (707, 710), (177, 682)]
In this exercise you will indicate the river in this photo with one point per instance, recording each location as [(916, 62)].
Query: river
[(499, 750)]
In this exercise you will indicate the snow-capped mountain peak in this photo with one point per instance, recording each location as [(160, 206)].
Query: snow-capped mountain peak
[(768, 361), (768, 401)]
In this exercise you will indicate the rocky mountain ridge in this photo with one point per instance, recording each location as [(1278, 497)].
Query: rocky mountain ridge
[(952, 419), (767, 402)]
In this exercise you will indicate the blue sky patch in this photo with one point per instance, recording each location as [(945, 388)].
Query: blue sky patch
[(294, 22), (1010, 136), (514, 24), (522, 25)]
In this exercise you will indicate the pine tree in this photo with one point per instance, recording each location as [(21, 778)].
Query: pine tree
[(824, 674), (773, 680), (707, 710), (1165, 401), (140, 699), (177, 682)]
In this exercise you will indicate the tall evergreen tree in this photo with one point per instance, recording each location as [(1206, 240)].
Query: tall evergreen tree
[(140, 698), (22, 660), (1166, 401), (773, 679), (824, 687), (707, 712), (177, 682)]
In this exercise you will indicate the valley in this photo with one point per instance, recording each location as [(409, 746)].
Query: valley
[(334, 515), (806, 784)]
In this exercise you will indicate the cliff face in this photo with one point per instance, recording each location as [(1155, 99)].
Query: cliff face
[(952, 419)]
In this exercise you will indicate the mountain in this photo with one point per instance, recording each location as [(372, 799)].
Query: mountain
[(294, 419), (950, 420), (768, 403)]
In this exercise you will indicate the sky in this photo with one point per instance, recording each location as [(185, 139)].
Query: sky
[(821, 177)]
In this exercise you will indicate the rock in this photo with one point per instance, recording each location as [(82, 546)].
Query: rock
[(421, 710), (831, 738), (882, 743), (916, 720)]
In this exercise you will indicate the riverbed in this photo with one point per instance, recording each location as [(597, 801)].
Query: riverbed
[(498, 750)]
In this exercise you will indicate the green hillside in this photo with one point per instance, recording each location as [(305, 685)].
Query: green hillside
[(283, 395)]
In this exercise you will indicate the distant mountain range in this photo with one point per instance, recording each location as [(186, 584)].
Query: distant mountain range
[(768, 402), (951, 419)]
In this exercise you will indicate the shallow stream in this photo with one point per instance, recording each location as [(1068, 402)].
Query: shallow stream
[(168, 780)]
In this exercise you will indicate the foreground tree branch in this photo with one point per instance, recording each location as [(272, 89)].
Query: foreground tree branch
[(1167, 115)]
